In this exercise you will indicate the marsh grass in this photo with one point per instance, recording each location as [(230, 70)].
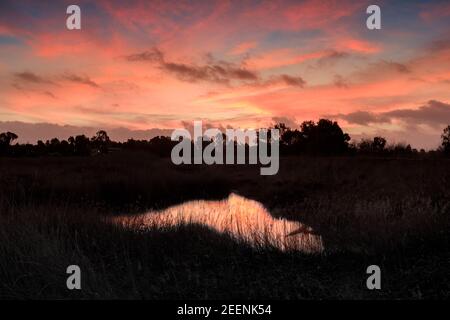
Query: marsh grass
[(56, 212)]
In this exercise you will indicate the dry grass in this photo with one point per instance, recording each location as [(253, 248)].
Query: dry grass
[(54, 212)]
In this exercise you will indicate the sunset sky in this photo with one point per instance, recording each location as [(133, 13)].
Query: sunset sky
[(162, 64)]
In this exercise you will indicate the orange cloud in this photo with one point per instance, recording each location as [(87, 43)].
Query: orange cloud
[(360, 46), (243, 47)]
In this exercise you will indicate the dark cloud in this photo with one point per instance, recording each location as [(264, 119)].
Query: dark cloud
[(211, 71), (399, 67), (80, 79), (31, 77), (440, 45), (17, 86), (392, 66), (292, 81), (50, 94), (434, 113), (289, 122), (361, 117), (383, 69), (340, 81), (331, 58), (220, 73), (153, 55)]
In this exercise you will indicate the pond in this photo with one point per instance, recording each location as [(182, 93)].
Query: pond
[(241, 218)]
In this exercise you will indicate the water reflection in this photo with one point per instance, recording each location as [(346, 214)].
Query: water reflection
[(237, 216)]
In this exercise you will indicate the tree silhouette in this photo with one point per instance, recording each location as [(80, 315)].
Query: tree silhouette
[(377, 145), (5, 141), (329, 138), (446, 140), (53, 146), (324, 137), (7, 137), (161, 146), (290, 140), (80, 145), (101, 141)]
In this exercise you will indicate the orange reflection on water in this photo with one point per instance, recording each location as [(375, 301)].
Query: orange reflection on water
[(237, 216)]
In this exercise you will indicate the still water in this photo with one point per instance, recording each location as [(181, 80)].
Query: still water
[(241, 218)]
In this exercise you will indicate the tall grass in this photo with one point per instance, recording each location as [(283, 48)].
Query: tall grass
[(56, 212)]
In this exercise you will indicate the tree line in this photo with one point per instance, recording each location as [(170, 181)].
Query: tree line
[(324, 137), (81, 145)]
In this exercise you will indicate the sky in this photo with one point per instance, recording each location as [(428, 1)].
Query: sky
[(146, 65)]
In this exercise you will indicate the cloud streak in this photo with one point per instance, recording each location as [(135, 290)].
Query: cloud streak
[(80, 79), (219, 72), (433, 113), (33, 78)]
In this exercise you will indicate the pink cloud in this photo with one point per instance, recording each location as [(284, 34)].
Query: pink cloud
[(358, 45), (316, 14), (243, 47)]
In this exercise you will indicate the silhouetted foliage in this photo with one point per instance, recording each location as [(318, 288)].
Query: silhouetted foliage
[(446, 141), (5, 141), (377, 145), (80, 145), (7, 137), (324, 137), (101, 141), (400, 149), (160, 145)]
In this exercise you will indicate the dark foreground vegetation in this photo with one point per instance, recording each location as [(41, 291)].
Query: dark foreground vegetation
[(54, 212)]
